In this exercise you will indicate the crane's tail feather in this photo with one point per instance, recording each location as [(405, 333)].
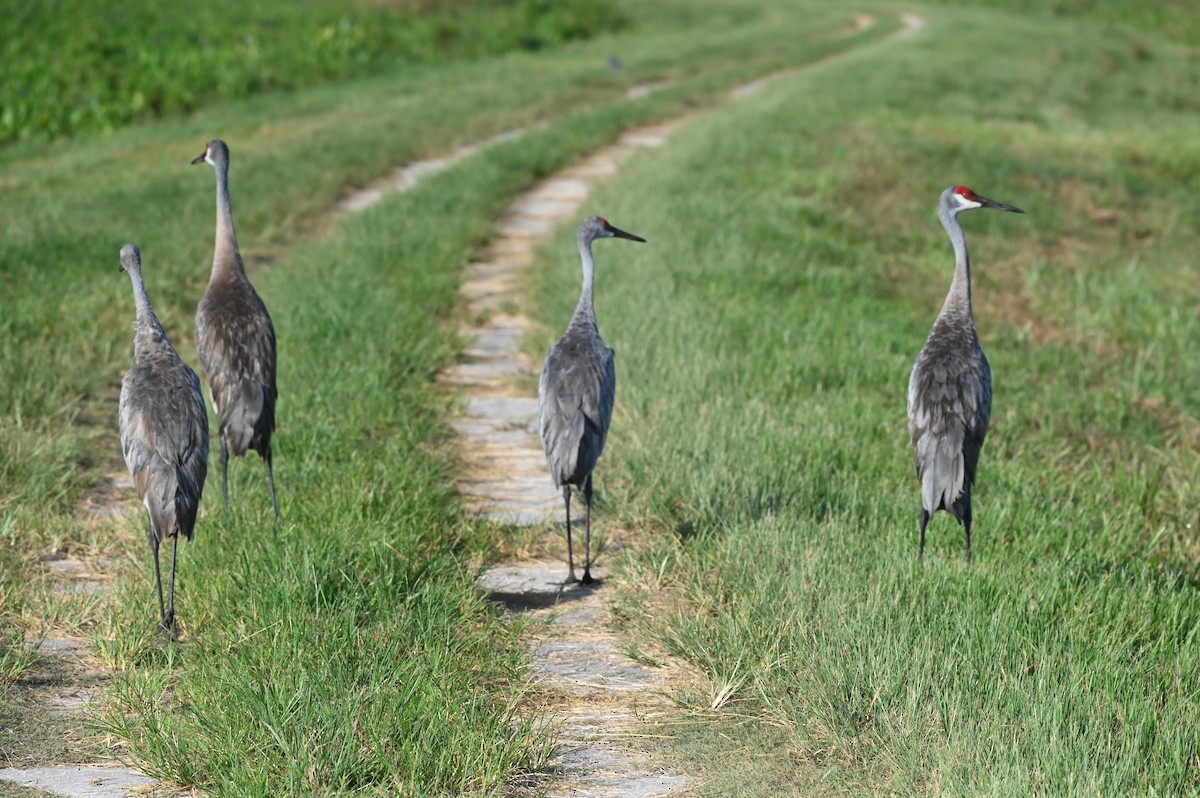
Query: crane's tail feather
[(943, 478)]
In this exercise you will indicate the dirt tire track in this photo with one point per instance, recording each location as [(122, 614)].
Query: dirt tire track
[(597, 697)]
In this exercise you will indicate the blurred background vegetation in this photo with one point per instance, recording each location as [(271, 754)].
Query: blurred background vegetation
[(1176, 19), (75, 66)]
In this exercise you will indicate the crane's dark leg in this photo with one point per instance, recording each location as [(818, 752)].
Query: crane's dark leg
[(162, 612), (224, 474), (570, 559), (271, 482), (967, 527), (924, 523), (169, 617), (587, 535)]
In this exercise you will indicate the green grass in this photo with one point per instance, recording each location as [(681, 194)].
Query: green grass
[(1175, 19), (764, 338), (74, 67)]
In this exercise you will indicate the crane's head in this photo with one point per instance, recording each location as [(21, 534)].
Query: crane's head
[(131, 259), (594, 227), (960, 198), (215, 152)]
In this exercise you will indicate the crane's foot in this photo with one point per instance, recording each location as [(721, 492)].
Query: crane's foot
[(587, 578), (167, 626)]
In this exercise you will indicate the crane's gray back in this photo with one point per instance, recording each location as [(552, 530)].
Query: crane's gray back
[(235, 343), (949, 408), (575, 403)]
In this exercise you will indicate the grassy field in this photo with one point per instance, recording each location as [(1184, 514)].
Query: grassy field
[(764, 339), (74, 67), (350, 653), (1173, 19)]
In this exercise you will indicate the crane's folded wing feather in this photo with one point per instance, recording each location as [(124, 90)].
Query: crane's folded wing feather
[(164, 438), (236, 348), (948, 413), (575, 403)]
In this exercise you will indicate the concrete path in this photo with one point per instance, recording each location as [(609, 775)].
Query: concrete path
[(599, 699), (80, 781)]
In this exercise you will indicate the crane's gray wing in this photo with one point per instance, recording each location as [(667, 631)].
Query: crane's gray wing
[(598, 405), (164, 437), (975, 433), (235, 342), (949, 403), (575, 404)]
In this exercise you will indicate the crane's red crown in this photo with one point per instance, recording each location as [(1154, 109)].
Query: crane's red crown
[(603, 222), (965, 193)]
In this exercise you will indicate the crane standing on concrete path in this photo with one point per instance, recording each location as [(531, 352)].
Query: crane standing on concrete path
[(164, 432), (235, 342), (950, 390), (576, 392)]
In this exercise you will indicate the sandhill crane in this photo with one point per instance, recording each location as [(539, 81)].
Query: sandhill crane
[(950, 390), (575, 394), (235, 342), (164, 432)]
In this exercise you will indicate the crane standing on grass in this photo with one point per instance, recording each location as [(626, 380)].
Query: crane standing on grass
[(235, 342), (164, 432), (950, 390), (575, 394)]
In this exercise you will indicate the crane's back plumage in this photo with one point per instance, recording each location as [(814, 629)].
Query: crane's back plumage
[(164, 437), (235, 343), (576, 393), (949, 406)]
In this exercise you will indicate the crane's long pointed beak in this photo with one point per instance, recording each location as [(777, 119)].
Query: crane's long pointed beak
[(199, 158), (622, 234), (1000, 206)]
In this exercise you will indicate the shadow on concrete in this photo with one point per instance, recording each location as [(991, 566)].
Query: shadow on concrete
[(536, 600), (532, 585)]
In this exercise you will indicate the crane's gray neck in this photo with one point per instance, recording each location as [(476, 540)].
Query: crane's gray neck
[(959, 297), (226, 257), (585, 311), (147, 325)]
